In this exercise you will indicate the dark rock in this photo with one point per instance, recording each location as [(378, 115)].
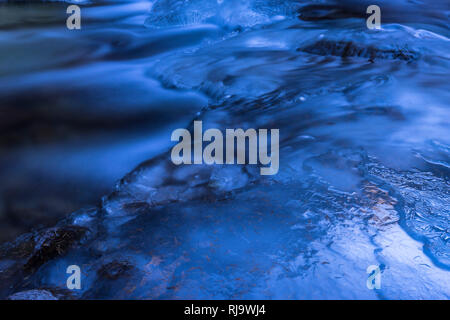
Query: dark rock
[(391, 11), (114, 270), (346, 49), (53, 243)]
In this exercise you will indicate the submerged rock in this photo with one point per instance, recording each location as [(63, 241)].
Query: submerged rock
[(114, 270), (359, 183), (399, 11), (346, 49)]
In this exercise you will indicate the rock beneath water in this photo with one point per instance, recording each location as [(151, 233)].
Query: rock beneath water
[(52, 243), (359, 190)]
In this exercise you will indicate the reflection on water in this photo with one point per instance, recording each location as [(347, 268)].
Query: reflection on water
[(364, 147)]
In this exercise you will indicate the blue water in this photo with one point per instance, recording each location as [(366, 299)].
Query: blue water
[(364, 146)]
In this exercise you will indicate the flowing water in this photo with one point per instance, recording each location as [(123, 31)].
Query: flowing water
[(364, 148)]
